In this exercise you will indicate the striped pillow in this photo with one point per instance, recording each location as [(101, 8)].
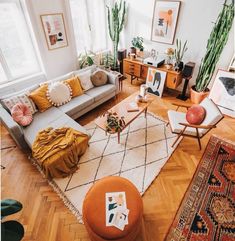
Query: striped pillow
[(21, 98)]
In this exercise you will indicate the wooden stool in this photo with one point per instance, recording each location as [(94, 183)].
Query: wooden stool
[(94, 210)]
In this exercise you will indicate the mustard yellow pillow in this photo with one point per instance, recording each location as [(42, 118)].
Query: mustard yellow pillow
[(39, 97), (75, 85)]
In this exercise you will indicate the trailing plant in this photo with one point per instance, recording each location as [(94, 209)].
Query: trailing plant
[(180, 51), (11, 230), (215, 44), (86, 59), (116, 18), (114, 122), (137, 42)]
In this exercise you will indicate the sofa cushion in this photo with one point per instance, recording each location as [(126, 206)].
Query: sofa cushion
[(39, 97), (99, 78), (99, 92), (41, 121), (59, 93), (75, 85), (76, 104), (51, 118)]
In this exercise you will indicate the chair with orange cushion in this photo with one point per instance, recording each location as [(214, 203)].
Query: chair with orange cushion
[(179, 124), (94, 210)]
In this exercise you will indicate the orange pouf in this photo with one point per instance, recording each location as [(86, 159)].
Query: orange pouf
[(94, 210)]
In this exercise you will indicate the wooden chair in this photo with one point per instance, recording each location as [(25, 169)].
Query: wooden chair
[(180, 126)]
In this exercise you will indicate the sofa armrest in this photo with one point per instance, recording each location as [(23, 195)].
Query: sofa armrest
[(13, 128), (113, 79)]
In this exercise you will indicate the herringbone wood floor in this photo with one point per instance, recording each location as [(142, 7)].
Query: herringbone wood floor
[(45, 217)]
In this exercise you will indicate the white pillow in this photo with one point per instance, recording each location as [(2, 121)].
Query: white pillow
[(59, 93), (85, 80)]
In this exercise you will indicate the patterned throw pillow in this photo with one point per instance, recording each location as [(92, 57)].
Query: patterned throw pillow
[(59, 94), (85, 80), (21, 98), (22, 114)]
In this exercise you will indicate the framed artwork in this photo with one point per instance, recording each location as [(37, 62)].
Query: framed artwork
[(164, 23), (54, 30), (232, 64), (223, 92), (155, 81)]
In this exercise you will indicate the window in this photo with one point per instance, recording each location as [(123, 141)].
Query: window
[(89, 23), (17, 55)]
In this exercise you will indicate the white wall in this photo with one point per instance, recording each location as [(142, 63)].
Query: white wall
[(195, 23), (59, 61)]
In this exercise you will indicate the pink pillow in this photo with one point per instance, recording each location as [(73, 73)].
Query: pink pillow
[(21, 114), (195, 115)]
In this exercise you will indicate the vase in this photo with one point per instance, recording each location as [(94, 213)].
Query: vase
[(198, 97), (132, 50), (178, 66)]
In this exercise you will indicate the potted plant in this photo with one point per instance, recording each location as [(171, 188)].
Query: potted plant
[(114, 123), (216, 42), (86, 59), (11, 230), (137, 43), (108, 60), (116, 18), (179, 54)]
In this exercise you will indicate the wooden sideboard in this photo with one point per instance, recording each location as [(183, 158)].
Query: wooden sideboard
[(137, 69)]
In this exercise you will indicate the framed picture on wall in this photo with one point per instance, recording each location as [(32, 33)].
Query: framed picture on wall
[(155, 81), (223, 92), (164, 21), (54, 30)]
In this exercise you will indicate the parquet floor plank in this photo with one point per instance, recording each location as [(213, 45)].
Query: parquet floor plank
[(46, 218)]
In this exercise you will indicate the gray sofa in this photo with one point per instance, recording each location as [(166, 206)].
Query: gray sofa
[(64, 115)]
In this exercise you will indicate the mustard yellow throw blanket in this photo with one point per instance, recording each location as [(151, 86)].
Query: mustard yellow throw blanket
[(59, 150)]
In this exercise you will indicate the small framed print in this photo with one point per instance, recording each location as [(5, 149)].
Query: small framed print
[(165, 19), (54, 30), (223, 92), (156, 81)]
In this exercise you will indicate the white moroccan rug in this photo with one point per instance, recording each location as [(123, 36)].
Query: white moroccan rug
[(144, 148)]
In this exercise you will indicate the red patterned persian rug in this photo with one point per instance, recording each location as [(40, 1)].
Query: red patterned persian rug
[(207, 211)]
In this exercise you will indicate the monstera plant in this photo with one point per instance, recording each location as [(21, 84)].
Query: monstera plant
[(216, 42), (11, 230)]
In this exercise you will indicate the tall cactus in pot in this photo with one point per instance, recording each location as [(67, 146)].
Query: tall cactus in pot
[(116, 18)]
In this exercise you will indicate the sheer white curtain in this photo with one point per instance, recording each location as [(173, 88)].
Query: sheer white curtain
[(17, 54), (89, 23)]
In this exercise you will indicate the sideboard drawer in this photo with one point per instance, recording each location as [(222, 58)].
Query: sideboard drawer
[(173, 80)]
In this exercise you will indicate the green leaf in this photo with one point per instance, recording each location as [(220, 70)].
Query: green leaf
[(10, 206), (11, 231)]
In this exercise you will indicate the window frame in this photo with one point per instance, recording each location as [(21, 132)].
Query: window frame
[(29, 29)]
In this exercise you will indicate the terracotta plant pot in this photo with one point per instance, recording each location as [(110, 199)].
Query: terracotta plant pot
[(198, 97)]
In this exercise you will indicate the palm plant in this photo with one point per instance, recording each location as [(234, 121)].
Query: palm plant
[(116, 18), (216, 42)]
